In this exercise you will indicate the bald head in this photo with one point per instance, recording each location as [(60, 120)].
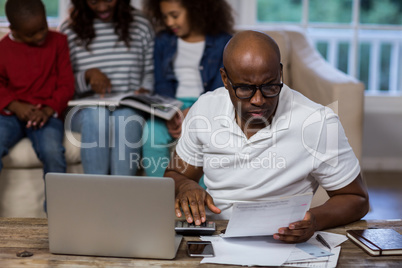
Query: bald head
[(250, 48)]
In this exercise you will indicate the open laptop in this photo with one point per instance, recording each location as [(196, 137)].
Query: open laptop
[(107, 215)]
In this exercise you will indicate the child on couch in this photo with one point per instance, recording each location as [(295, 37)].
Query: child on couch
[(36, 82), (191, 36)]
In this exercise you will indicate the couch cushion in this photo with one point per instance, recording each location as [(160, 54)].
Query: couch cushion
[(3, 32), (282, 40), (22, 155)]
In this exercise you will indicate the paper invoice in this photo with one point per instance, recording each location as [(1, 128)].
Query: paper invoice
[(265, 218)]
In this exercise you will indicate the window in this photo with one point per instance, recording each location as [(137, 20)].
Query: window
[(52, 8), (2, 12), (56, 10), (53, 11), (360, 37)]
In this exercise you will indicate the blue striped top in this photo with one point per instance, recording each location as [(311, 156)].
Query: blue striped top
[(127, 68)]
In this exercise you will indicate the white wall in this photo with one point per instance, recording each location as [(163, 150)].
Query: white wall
[(382, 140), (136, 3)]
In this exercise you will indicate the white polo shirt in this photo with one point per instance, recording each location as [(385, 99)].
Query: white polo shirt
[(304, 146)]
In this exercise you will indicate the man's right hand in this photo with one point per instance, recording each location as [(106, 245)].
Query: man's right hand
[(192, 199), (98, 81)]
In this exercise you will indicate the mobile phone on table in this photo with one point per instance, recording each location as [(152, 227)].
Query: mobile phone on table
[(200, 249)]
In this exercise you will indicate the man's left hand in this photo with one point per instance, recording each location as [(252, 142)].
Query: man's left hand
[(299, 231)]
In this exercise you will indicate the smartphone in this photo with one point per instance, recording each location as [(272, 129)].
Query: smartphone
[(200, 249)]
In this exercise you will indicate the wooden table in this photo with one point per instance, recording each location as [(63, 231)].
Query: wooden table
[(30, 234)]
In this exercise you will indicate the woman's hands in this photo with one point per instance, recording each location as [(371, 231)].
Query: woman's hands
[(98, 81)]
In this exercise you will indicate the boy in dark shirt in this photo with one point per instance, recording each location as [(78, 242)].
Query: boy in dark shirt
[(36, 82)]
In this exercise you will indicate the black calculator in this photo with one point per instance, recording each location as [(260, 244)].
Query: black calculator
[(190, 229)]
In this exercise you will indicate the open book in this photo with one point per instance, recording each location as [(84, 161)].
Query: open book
[(161, 106)]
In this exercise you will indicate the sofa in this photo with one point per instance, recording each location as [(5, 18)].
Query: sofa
[(21, 181)]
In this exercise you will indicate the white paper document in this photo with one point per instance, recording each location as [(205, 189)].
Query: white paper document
[(266, 251), (321, 262), (313, 250), (261, 250), (300, 258), (332, 239), (265, 218)]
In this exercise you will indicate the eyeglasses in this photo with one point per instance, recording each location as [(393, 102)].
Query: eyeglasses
[(244, 91)]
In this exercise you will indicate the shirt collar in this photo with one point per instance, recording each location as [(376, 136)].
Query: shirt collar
[(10, 35), (283, 113)]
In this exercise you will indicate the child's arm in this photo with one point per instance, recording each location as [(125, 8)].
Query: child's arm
[(6, 96), (64, 90), (34, 115), (174, 125), (22, 110), (163, 85)]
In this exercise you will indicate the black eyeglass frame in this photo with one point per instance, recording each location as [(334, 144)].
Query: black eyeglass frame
[(254, 87)]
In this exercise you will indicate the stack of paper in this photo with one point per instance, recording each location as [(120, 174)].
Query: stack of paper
[(314, 254), (248, 238), (266, 251)]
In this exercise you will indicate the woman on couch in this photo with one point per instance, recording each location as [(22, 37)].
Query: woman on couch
[(111, 49)]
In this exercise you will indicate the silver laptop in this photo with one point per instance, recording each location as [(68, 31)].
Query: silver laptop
[(105, 215)]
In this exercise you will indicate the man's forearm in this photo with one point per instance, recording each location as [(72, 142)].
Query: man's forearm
[(179, 179), (340, 210)]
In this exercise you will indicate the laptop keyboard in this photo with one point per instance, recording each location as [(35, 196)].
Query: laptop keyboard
[(190, 229)]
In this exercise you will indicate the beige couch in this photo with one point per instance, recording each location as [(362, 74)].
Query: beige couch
[(21, 180), (21, 183)]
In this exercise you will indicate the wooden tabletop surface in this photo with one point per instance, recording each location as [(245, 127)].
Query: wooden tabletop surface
[(29, 234)]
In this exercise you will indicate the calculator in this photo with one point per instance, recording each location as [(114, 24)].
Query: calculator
[(190, 229)]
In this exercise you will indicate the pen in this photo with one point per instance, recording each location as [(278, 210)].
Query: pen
[(322, 241)]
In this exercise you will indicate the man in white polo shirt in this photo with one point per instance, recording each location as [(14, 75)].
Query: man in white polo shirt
[(256, 139)]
